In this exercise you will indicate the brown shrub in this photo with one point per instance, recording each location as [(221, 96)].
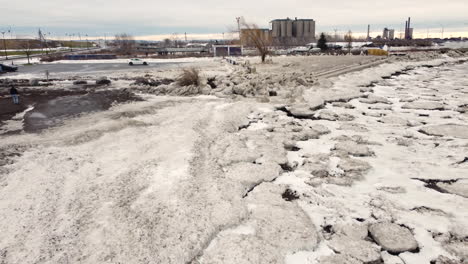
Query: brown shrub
[(52, 57), (189, 77)]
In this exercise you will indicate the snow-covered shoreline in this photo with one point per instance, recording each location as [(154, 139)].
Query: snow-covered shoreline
[(316, 174)]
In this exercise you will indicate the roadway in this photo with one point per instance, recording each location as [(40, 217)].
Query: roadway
[(61, 70), (63, 52), (88, 68)]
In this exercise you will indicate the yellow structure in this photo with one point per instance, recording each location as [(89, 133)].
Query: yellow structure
[(377, 52)]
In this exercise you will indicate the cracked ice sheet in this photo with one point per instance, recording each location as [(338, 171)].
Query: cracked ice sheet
[(350, 83), (394, 166)]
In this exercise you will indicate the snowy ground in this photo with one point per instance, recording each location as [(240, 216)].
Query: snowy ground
[(366, 167)]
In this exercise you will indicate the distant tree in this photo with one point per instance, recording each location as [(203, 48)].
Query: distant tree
[(349, 40), (26, 48), (167, 43), (322, 42), (175, 40), (124, 43), (256, 37)]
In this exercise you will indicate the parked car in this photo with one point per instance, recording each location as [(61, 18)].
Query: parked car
[(132, 62), (6, 68)]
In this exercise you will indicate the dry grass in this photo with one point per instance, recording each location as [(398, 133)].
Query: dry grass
[(189, 77)]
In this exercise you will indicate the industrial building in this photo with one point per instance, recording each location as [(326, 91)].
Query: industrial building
[(292, 32), (388, 34)]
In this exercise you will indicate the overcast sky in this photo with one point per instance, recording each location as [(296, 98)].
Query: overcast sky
[(157, 17)]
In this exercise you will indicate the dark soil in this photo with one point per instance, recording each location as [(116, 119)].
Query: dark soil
[(57, 105), (432, 184), (290, 195)]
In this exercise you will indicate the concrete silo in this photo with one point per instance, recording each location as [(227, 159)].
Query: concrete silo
[(312, 28), (299, 28), (391, 34), (306, 28), (276, 28), (289, 28), (292, 31), (283, 28)]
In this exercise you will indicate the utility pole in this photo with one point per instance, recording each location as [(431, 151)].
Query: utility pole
[(45, 43), (368, 32), (87, 43), (239, 28), (185, 37), (79, 35), (4, 45), (39, 35), (45, 40), (71, 43), (336, 36)]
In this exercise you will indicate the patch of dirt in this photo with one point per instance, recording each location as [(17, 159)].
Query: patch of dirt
[(290, 195), (432, 183)]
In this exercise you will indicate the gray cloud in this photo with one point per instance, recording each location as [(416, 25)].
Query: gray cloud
[(145, 17)]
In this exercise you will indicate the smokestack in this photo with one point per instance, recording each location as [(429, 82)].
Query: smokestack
[(368, 32), (406, 29), (409, 28)]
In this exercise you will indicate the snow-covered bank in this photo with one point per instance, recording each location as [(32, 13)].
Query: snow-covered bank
[(102, 185), (146, 181), (359, 168)]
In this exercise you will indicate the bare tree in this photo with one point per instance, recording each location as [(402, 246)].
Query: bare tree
[(349, 40), (252, 35), (175, 40), (124, 43), (167, 43), (25, 46)]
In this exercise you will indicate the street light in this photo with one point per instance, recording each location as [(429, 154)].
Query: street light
[(238, 19), (336, 36), (4, 44), (79, 34), (443, 29)]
